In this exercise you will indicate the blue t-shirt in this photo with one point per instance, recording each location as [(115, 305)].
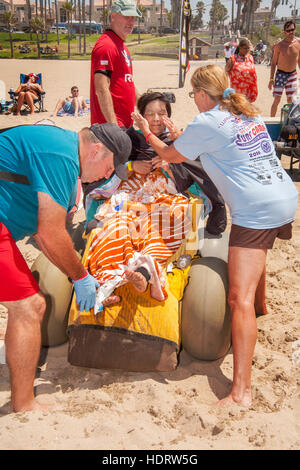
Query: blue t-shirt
[(239, 156), (48, 157)]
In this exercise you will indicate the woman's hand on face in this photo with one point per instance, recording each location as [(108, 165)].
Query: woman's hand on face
[(174, 133), (157, 162), (142, 166), (140, 122)]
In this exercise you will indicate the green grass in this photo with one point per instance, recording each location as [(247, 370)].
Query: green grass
[(149, 43)]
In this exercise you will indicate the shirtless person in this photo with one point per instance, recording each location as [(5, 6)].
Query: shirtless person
[(28, 92), (285, 58), (71, 104)]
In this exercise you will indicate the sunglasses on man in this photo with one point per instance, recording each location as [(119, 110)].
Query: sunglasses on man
[(289, 30)]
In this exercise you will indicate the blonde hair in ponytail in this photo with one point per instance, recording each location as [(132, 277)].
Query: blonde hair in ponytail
[(214, 81)]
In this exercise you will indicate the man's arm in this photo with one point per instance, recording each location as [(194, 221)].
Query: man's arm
[(53, 238), (228, 65), (273, 66), (83, 104), (102, 84)]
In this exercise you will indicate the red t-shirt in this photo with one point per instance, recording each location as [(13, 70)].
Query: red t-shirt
[(111, 54)]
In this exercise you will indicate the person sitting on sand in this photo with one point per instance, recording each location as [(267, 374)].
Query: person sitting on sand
[(28, 92), (71, 104)]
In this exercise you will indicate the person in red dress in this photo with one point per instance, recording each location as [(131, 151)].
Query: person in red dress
[(241, 70)]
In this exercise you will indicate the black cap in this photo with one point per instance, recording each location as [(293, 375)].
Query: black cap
[(118, 142)]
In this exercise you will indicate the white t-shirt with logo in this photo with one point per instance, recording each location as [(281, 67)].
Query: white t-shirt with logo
[(239, 156)]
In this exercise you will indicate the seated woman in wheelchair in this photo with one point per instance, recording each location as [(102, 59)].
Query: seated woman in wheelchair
[(144, 220), (28, 92)]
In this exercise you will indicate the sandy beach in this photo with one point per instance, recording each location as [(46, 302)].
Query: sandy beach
[(103, 409)]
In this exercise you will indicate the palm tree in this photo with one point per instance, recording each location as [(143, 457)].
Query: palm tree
[(68, 8), (238, 15), (10, 20), (218, 14), (143, 12), (45, 16), (28, 8), (176, 11), (56, 20), (197, 19), (275, 4), (37, 26), (105, 15), (91, 13), (84, 28), (80, 24)]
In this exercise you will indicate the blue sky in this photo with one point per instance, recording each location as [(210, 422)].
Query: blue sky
[(282, 10)]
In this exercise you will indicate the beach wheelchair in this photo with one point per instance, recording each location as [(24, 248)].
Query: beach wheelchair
[(140, 333), (38, 102)]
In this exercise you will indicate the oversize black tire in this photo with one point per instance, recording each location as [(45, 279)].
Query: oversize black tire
[(206, 319)]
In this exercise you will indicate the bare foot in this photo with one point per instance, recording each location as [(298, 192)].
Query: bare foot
[(246, 400), (34, 405), (113, 299), (137, 280)]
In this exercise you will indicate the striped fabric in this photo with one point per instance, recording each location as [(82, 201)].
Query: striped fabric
[(287, 81), (144, 223)]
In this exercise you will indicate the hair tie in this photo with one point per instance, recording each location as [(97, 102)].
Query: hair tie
[(228, 92)]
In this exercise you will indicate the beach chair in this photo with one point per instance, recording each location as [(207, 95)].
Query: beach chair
[(4, 104), (2, 95), (140, 333), (38, 102)]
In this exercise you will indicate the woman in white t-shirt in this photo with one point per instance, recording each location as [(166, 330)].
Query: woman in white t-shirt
[(237, 153), (227, 52)]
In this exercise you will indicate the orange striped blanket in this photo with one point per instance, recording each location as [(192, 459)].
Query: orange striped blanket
[(143, 224)]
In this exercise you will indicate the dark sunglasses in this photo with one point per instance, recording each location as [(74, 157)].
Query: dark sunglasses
[(289, 30)]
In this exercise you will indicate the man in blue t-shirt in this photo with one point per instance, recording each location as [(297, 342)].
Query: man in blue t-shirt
[(39, 170)]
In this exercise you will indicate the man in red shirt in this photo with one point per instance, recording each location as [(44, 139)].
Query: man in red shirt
[(112, 93)]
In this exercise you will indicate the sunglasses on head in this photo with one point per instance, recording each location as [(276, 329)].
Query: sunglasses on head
[(289, 30)]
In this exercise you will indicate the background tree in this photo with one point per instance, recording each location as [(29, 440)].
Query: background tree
[(37, 26), (79, 14), (29, 15), (105, 15), (68, 8), (197, 19), (248, 8), (176, 10), (45, 20), (10, 21), (84, 26), (56, 20), (28, 11), (143, 12), (92, 7), (238, 15), (274, 5), (218, 14)]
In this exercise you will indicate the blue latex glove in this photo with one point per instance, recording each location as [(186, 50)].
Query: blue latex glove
[(85, 290)]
